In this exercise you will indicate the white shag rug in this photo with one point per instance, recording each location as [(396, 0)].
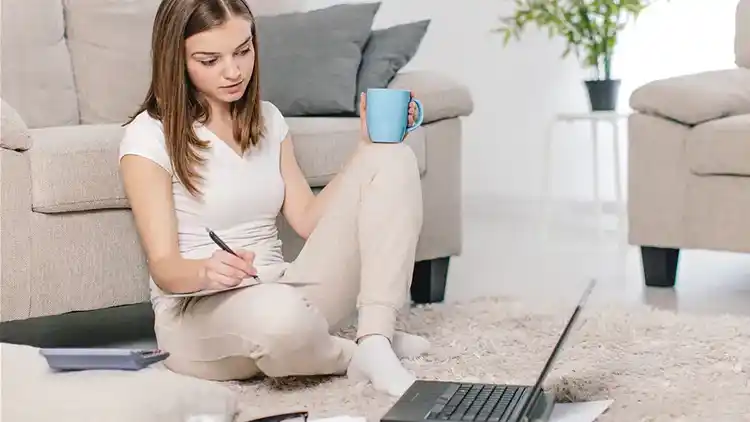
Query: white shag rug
[(655, 365)]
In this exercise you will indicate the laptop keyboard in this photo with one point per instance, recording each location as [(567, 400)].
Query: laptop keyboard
[(477, 402)]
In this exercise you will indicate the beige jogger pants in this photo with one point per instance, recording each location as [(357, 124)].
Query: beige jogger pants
[(359, 260)]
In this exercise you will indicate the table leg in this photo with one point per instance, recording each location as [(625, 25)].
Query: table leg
[(618, 181), (595, 157)]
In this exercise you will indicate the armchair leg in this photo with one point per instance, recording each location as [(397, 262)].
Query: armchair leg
[(660, 266), (428, 281)]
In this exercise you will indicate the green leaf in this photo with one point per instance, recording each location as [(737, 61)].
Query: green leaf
[(590, 28)]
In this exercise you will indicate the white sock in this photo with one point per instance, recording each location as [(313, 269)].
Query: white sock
[(375, 361), (409, 346)]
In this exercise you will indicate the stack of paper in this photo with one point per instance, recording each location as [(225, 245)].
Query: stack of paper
[(341, 419), (579, 412)]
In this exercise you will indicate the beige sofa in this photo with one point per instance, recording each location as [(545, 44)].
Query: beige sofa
[(689, 163), (72, 71)]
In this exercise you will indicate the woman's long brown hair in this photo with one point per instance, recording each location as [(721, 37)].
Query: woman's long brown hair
[(171, 97)]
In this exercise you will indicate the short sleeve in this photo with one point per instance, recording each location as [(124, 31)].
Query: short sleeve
[(277, 128), (145, 137)]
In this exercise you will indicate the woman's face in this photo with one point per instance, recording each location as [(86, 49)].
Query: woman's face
[(220, 61)]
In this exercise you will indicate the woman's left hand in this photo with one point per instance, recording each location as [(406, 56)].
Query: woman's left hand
[(365, 135), (412, 111)]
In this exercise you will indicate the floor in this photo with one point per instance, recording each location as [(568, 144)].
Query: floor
[(510, 249)]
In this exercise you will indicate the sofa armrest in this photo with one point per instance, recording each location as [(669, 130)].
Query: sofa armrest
[(14, 134), (696, 98), (441, 96), (75, 168), (15, 216)]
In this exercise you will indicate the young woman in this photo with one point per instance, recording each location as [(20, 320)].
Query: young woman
[(205, 152)]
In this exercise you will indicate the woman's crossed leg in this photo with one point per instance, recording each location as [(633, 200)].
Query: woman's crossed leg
[(358, 261)]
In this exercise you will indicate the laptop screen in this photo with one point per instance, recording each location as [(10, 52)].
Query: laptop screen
[(537, 390)]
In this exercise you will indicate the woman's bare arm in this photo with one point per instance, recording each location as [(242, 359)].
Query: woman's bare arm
[(298, 196), (302, 208), (149, 191)]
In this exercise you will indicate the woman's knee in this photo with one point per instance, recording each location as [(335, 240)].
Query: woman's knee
[(287, 322), (392, 155), (227, 339), (393, 162)]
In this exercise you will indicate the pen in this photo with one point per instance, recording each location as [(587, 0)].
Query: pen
[(216, 239), (220, 242)]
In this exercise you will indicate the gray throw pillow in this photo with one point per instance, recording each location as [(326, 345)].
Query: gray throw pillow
[(387, 51), (309, 60)]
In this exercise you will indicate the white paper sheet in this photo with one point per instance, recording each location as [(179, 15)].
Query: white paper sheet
[(579, 412), (562, 412), (343, 418)]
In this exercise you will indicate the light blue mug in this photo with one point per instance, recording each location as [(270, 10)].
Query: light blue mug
[(388, 114)]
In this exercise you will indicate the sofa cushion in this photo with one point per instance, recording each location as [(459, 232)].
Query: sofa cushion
[(37, 79), (276, 7), (742, 34), (323, 145), (107, 36), (34, 393), (306, 68), (14, 134), (720, 147), (387, 51), (696, 98), (76, 168)]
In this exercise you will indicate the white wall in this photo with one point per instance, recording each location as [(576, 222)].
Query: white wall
[(518, 89)]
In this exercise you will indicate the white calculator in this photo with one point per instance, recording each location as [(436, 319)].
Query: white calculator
[(72, 359)]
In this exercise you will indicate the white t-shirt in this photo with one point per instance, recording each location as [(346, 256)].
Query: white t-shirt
[(241, 196)]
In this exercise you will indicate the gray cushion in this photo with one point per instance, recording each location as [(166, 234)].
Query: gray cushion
[(387, 51), (309, 61)]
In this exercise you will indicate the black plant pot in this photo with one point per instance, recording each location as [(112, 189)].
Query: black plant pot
[(603, 94)]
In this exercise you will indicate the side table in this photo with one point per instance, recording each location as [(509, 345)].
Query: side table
[(594, 119)]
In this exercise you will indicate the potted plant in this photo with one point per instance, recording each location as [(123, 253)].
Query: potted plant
[(591, 29)]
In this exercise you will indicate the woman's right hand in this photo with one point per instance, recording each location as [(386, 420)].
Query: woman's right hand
[(225, 270)]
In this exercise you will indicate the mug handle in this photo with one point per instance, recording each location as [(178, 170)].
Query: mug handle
[(420, 116)]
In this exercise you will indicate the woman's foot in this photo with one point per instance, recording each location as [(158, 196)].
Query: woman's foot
[(409, 346), (375, 360)]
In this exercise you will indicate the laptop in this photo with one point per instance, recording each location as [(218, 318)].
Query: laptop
[(449, 401)]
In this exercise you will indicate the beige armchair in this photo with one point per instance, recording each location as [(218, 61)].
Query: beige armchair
[(689, 163)]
